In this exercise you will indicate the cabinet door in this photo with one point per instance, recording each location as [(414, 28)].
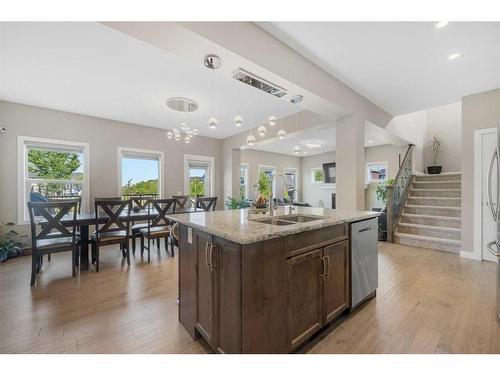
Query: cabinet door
[(227, 268), (336, 279), (304, 296), (205, 287)]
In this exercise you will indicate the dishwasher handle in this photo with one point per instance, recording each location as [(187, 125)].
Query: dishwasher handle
[(365, 229)]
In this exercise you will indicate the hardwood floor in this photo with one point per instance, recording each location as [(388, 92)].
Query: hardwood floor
[(427, 302)]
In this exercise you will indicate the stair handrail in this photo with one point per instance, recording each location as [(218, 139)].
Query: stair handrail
[(397, 192)]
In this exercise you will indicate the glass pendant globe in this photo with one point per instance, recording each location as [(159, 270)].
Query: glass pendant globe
[(177, 136), (187, 139), (261, 131), (281, 134), (250, 140), (212, 123), (272, 120), (170, 135), (238, 120), (183, 126), (296, 150)]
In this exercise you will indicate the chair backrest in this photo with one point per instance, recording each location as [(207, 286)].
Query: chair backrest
[(206, 203), (112, 210), (53, 213), (140, 200), (183, 201), (66, 199), (160, 208)]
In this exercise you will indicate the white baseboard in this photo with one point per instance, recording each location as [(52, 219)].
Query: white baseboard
[(469, 255)]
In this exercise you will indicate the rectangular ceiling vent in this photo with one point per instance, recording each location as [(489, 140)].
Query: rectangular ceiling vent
[(259, 83)]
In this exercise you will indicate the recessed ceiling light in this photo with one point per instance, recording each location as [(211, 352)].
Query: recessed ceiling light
[(313, 145), (454, 56), (441, 24), (370, 141)]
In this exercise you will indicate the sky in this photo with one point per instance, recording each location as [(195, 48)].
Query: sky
[(138, 170)]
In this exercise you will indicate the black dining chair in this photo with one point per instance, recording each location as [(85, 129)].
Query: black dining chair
[(115, 229), (206, 203), (183, 202), (158, 224), (174, 237), (54, 237)]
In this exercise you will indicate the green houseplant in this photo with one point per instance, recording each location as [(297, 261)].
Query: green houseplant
[(10, 242), (236, 203), (263, 187), (436, 146), (381, 193)]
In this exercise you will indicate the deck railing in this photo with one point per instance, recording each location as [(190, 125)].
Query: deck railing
[(398, 191)]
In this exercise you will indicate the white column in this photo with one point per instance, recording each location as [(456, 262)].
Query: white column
[(231, 163), (350, 163)]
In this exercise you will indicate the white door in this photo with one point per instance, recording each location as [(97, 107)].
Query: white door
[(489, 226)]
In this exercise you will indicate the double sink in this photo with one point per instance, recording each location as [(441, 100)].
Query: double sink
[(288, 219)]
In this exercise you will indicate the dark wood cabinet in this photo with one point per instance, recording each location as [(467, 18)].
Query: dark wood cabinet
[(304, 296), (336, 282), (206, 319), (263, 297)]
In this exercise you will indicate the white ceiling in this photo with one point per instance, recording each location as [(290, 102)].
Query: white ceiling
[(401, 66), (90, 69), (326, 139)]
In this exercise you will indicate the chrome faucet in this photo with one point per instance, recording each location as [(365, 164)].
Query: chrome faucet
[(271, 202)]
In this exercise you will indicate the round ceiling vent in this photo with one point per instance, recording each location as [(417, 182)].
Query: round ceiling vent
[(182, 104), (296, 99)]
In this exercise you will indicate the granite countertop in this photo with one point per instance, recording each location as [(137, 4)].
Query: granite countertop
[(238, 226)]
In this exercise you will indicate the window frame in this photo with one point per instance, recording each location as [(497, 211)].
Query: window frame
[(247, 174), (210, 160), (296, 172), (139, 152), (367, 168), (313, 181), (23, 142)]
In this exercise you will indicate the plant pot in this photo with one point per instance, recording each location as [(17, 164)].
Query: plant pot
[(435, 169)]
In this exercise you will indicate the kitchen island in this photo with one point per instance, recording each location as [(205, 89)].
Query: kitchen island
[(261, 283)]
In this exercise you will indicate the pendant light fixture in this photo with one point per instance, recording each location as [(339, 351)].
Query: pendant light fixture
[(261, 131), (272, 120), (281, 132), (238, 119), (212, 62), (250, 139), (296, 149)]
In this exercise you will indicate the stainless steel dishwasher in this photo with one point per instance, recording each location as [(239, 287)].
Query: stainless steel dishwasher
[(364, 260)]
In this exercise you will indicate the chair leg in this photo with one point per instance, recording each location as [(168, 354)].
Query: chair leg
[(149, 255), (166, 244), (48, 257), (73, 262), (96, 257), (133, 245), (34, 264), (127, 248), (93, 252), (158, 243), (142, 245), (172, 243)]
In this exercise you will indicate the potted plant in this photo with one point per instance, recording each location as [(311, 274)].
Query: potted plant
[(10, 242), (436, 146), (236, 203), (263, 187), (382, 220)]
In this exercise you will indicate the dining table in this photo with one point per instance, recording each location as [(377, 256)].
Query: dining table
[(85, 219)]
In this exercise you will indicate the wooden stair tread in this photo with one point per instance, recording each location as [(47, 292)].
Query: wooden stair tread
[(427, 238), (433, 227), (433, 217)]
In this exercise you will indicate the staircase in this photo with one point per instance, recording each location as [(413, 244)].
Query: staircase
[(431, 215)]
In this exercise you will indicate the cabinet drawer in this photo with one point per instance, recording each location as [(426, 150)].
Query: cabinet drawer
[(305, 241)]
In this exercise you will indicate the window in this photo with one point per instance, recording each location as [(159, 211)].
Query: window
[(291, 178), (317, 175), (198, 175), (376, 171), (139, 171), (49, 169), (244, 181)]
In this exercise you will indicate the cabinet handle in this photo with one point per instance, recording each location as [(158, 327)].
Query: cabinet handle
[(212, 263), (329, 265), (206, 256), (323, 271)]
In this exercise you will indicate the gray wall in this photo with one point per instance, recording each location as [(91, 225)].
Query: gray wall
[(254, 157), (104, 136), (313, 192), (480, 111)]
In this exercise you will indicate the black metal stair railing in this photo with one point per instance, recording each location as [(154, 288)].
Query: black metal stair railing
[(398, 192)]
